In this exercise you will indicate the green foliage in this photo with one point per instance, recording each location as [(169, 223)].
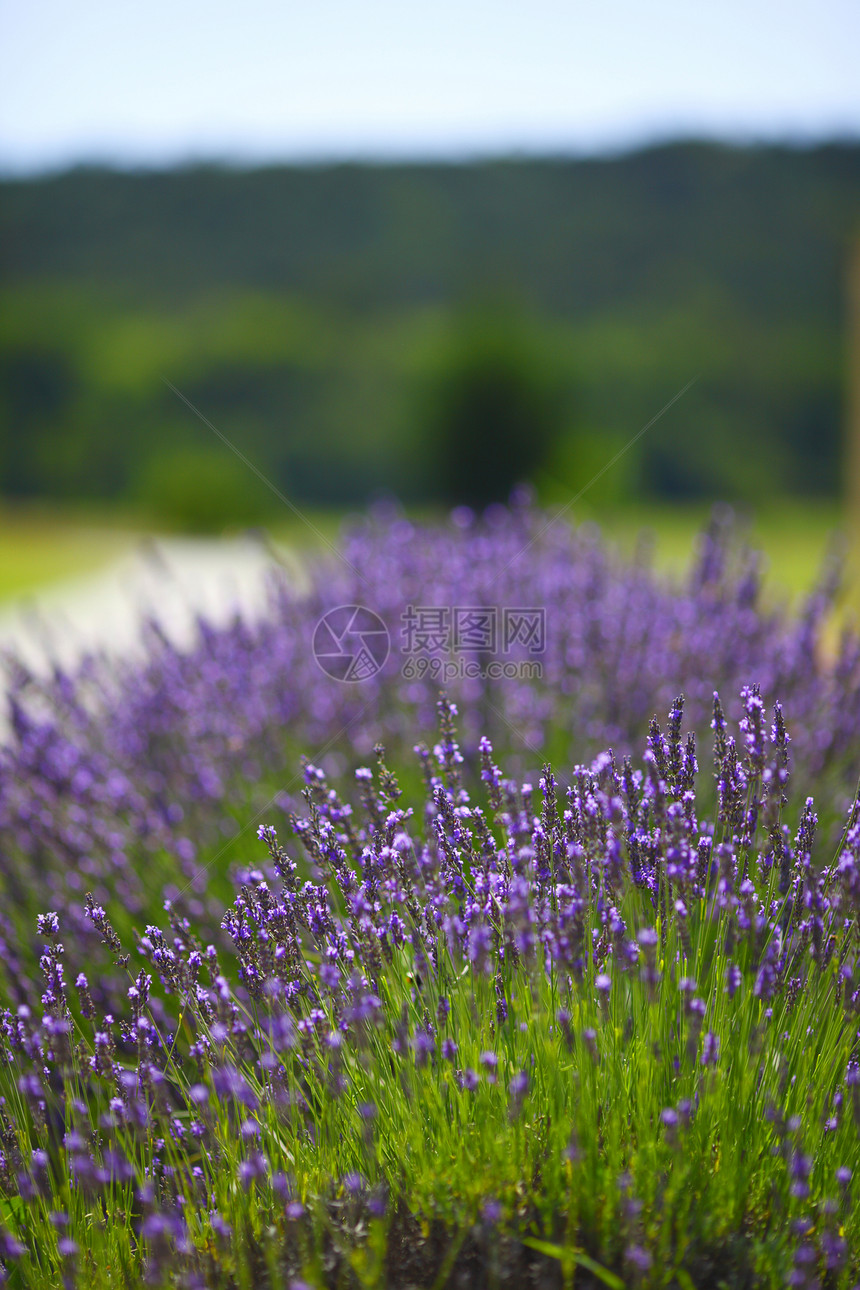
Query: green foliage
[(199, 490), (579, 465), (316, 316), (493, 409)]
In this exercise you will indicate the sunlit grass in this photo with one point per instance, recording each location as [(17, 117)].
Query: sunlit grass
[(41, 545), (794, 536)]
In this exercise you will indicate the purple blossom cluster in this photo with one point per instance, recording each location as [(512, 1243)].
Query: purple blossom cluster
[(589, 882), (122, 775)]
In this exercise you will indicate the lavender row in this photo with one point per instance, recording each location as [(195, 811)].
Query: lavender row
[(122, 772), (693, 972)]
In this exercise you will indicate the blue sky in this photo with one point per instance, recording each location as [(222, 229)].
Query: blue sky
[(159, 82)]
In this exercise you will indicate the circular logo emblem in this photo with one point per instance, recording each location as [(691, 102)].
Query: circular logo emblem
[(351, 643)]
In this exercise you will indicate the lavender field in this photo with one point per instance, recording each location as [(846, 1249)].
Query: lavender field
[(526, 955)]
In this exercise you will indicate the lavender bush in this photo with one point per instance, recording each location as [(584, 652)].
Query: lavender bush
[(621, 1034), (444, 1026), (128, 771)]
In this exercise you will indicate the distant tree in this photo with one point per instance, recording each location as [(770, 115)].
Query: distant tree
[(494, 408), (201, 490)]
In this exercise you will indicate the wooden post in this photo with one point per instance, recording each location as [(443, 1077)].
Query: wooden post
[(852, 374)]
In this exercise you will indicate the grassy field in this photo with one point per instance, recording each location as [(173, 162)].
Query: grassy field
[(794, 536), (40, 546)]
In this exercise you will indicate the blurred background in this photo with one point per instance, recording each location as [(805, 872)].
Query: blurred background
[(388, 250)]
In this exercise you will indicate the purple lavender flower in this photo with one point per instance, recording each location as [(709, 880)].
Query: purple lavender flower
[(800, 1168), (491, 1212), (711, 1049), (638, 1258), (518, 1085)]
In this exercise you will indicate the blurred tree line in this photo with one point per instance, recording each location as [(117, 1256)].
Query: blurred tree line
[(439, 331)]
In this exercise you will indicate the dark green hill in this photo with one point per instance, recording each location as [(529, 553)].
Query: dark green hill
[(317, 315)]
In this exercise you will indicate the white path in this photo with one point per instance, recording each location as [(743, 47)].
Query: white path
[(173, 579)]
